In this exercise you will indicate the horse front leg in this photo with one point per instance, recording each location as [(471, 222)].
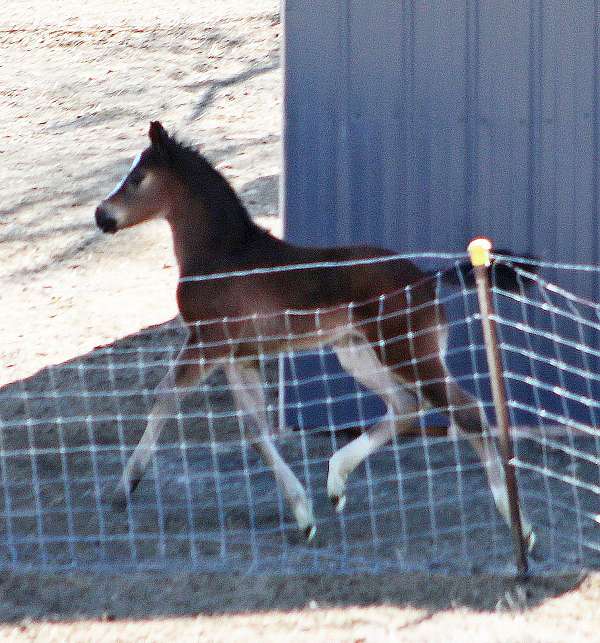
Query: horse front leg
[(189, 369), (359, 360), (248, 393)]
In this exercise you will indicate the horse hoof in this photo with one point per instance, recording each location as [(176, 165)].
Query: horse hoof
[(310, 532), (338, 502), (530, 540), (120, 498)]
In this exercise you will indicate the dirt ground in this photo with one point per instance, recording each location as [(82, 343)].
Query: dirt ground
[(78, 85)]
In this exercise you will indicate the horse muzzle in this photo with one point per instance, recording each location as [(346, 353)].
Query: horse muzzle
[(105, 221)]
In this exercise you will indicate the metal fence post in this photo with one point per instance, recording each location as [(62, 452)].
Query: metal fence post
[(479, 252)]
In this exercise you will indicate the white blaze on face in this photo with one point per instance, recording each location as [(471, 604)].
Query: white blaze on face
[(136, 160)]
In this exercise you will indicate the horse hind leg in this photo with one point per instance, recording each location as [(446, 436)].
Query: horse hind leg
[(446, 395), (358, 359), (248, 394)]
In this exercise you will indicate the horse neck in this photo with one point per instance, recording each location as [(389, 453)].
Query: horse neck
[(203, 240)]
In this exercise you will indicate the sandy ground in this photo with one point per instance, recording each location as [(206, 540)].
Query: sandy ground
[(78, 88), (78, 85)]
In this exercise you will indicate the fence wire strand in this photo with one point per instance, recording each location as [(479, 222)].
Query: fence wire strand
[(207, 500)]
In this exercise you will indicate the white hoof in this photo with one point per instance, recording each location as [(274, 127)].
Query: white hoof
[(336, 486), (305, 518), (310, 533), (530, 539), (339, 503)]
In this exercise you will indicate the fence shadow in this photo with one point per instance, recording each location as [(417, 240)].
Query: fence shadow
[(65, 596)]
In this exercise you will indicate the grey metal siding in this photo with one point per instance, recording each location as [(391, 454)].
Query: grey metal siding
[(419, 125)]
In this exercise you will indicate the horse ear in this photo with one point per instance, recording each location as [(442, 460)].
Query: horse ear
[(159, 138), (157, 134)]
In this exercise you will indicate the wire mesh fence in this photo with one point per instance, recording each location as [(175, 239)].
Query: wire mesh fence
[(209, 499)]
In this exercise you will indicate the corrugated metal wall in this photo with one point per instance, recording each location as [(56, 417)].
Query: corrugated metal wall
[(419, 125)]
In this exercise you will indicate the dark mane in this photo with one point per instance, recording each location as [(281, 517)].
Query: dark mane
[(206, 183)]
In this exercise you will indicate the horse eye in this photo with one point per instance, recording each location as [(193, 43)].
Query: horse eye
[(135, 180)]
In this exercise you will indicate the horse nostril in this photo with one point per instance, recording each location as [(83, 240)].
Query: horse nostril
[(105, 221)]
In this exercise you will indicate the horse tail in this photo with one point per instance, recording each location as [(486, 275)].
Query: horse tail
[(504, 273)]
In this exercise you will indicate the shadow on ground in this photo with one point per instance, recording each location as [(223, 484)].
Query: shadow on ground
[(152, 595), (88, 394), (211, 88)]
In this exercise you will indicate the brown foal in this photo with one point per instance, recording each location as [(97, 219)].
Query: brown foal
[(378, 313)]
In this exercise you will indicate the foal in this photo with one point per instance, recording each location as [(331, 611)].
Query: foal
[(392, 340)]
